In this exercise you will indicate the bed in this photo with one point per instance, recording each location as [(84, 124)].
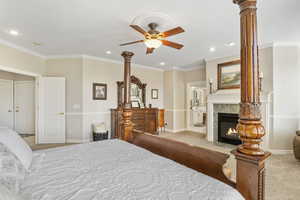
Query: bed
[(115, 169), (142, 166)]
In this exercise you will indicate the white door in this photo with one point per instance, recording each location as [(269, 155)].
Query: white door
[(6, 104), (52, 110), (24, 107)]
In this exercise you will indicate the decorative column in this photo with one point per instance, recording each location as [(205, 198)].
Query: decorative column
[(250, 127), (127, 125), (250, 158)]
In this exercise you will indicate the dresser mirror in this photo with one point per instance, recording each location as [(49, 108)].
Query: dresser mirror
[(138, 91)]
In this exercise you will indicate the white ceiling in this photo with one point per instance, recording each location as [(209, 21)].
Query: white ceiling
[(91, 27)]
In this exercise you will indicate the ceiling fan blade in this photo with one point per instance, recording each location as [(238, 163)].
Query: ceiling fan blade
[(139, 29), (173, 31), (172, 44), (149, 50), (138, 41)]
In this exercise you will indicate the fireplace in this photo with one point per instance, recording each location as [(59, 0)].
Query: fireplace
[(226, 128)]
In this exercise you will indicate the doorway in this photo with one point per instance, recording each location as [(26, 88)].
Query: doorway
[(17, 102), (196, 106)]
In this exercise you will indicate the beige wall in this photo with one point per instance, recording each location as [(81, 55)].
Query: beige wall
[(266, 66), (195, 75), (179, 100), (98, 71), (212, 71), (80, 74), (281, 68), (286, 96), (20, 60), (169, 98), (175, 83), (71, 69)]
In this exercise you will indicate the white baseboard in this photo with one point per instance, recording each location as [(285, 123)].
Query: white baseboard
[(77, 141), (175, 131), (280, 151), (50, 141)]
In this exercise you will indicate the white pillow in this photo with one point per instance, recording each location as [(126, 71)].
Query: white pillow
[(12, 172), (6, 194), (17, 146)]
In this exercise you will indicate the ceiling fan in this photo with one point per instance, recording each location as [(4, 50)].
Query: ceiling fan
[(154, 39)]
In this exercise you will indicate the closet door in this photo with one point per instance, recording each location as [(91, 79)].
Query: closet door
[(24, 107), (6, 104)]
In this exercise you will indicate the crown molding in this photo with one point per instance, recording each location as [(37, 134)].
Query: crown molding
[(22, 49), (49, 57), (276, 44), (193, 68), (121, 62), (237, 56), (84, 56), (267, 45), (57, 57), (222, 57)]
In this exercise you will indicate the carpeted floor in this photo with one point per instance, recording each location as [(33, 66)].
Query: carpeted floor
[(282, 171), (31, 142)]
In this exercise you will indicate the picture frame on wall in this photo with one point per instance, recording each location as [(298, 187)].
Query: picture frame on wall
[(99, 91), (154, 93), (229, 75)]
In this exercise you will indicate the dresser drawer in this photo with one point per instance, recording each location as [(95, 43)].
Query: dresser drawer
[(138, 121), (138, 116)]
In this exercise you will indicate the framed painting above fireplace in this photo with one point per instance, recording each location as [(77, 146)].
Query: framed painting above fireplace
[(229, 75)]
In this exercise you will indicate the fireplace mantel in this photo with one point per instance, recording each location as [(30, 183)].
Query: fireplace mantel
[(234, 98)]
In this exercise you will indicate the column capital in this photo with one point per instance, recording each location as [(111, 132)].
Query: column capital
[(127, 55), (246, 4), (242, 1)]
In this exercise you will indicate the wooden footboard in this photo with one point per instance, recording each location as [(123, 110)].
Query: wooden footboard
[(250, 172), (203, 160)]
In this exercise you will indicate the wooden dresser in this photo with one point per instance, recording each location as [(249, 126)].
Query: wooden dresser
[(144, 119)]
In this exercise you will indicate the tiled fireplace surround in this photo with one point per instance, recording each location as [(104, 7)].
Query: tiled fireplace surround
[(229, 103)]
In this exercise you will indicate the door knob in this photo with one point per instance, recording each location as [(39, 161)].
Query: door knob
[(17, 110), (9, 110), (61, 113)]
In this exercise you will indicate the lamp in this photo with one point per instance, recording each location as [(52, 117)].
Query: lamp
[(153, 43), (210, 86), (260, 78)]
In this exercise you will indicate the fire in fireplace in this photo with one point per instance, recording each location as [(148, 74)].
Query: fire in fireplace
[(226, 128)]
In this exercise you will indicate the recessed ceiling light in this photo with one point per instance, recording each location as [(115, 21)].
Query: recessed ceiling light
[(231, 44), (162, 64), (108, 52), (13, 32), (212, 49)]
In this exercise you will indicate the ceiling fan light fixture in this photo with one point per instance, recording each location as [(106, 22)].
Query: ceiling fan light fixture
[(153, 43)]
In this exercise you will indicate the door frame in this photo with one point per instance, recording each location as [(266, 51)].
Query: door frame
[(200, 84), (12, 102), (37, 102)]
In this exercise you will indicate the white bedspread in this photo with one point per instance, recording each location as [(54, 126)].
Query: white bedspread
[(114, 169)]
